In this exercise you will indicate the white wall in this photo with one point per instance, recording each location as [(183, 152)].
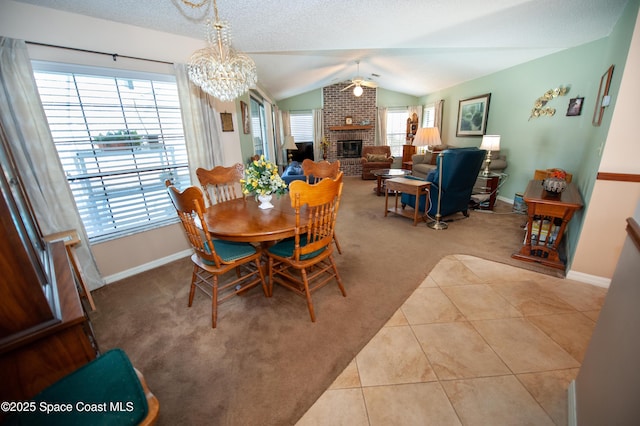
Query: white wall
[(603, 233)]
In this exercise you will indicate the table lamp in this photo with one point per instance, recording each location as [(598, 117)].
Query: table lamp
[(427, 136), (489, 143), (289, 145)]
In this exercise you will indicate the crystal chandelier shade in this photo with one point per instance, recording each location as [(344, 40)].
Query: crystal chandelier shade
[(218, 69)]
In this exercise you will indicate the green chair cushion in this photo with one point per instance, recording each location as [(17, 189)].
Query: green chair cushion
[(105, 391), (285, 248), (230, 251)]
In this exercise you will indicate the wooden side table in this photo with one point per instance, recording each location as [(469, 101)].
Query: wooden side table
[(548, 218), (487, 188), (71, 240), (410, 186), (407, 165)]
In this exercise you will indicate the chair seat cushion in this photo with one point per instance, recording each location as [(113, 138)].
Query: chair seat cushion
[(105, 391), (230, 251), (285, 248)]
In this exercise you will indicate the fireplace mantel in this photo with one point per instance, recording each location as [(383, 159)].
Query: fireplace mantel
[(351, 127)]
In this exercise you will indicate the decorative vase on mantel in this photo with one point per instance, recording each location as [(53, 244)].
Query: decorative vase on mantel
[(265, 201)]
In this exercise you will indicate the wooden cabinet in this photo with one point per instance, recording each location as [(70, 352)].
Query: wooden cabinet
[(44, 332), (407, 152)]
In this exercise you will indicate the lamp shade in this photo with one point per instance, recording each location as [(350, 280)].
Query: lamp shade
[(428, 136), (289, 143), (490, 143), (357, 91)]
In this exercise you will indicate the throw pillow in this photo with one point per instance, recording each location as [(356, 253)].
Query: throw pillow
[(375, 158)]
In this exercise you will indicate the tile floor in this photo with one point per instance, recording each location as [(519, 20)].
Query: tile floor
[(477, 343)]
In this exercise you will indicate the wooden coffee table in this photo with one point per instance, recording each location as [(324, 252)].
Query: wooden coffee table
[(410, 186), (384, 174)]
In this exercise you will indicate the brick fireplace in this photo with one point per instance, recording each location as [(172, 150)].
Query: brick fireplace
[(337, 106)]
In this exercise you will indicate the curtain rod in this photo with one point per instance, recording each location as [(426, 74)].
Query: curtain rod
[(115, 56)]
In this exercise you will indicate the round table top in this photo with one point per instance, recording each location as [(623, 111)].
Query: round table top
[(391, 172), (242, 220)]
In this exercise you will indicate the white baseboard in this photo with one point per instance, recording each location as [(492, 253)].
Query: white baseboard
[(571, 404), (147, 266), (505, 199), (589, 279)]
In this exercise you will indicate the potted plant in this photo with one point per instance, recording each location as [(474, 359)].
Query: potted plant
[(118, 139)]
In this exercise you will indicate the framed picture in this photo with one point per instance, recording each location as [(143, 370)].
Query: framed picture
[(227, 122), (603, 92), (472, 116), (246, 128), (575, 106), (348, 120)]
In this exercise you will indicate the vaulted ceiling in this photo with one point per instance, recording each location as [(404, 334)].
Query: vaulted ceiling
[(410, 46)]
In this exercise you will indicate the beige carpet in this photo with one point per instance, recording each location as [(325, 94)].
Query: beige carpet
[(267, 363)]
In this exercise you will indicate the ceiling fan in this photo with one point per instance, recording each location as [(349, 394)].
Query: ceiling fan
[(357, 83)]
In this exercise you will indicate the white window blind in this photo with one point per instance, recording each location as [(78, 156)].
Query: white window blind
[(119, 136), (397, 130), (301, 126), (429, 116)]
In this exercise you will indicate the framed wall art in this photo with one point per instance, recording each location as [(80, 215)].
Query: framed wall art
[(575, 106), (227, 122), (246, 128), (603, 92), (472, 115)]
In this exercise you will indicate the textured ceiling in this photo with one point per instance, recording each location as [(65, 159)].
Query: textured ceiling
[(413, 46)]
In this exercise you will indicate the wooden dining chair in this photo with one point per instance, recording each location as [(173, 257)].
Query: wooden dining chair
[(214, 258), (314, 172), (305, 262), (220, 183)]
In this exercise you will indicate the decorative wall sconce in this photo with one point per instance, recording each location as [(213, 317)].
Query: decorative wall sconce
[(540, 107)]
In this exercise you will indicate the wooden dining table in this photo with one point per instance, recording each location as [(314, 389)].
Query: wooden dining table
[(242, 220)]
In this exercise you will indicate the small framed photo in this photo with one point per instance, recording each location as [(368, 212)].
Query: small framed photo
[(227, 122), (348, 120), (575, 106), (472, 115)]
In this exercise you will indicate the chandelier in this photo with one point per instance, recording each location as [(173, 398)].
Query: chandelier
[(218, 69)]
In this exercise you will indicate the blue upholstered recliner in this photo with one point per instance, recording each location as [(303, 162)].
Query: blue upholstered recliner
[(459, 173), (292, 172)]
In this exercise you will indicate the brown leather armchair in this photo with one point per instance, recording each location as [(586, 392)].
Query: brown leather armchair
[(375, 157)]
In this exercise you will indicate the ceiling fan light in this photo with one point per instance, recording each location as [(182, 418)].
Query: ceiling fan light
[(357, 91)]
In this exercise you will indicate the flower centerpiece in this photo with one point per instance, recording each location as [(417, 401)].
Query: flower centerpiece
[(324, 143), (262, 180)]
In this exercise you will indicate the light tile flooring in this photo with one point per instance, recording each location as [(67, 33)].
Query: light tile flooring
[(477, 343)]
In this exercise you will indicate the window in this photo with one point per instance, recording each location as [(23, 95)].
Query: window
[(301, 126), (429, 116), (397, 130), (119, 136), (258, 127)]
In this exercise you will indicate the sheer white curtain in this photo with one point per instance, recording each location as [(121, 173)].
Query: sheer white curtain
[(438, 114), (25, 126), (202, 132), (381, 127), (318, 130), (277, 131)]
